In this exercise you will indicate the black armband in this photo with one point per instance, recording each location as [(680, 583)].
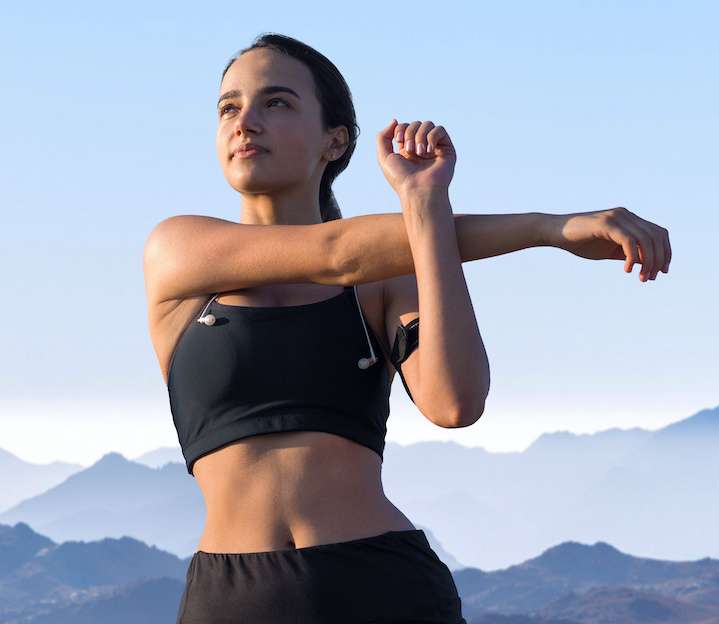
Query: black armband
[(406, 340)]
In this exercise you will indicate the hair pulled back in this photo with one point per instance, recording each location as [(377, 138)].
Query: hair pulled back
[(335, 101)]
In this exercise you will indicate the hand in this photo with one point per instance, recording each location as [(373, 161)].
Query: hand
[(613, 234), (426, 157)]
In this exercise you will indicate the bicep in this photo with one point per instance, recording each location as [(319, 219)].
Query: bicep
[(401, 303), (189, 255)]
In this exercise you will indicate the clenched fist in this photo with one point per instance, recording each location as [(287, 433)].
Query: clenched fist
[(425, 159)]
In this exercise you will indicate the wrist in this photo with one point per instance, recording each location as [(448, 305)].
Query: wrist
[(417, 191), (425, 203), (548, 226), (424, 209)]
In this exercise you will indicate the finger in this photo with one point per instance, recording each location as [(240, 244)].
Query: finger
[(434, 137), (645, 243), (420, 138), (668, 251), (399, 133), (629, 247), (655, 259), (655, 236), (660, 244), (384, 141), (409, 136)]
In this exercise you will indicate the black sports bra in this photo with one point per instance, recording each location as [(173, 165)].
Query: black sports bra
[(241, 371)]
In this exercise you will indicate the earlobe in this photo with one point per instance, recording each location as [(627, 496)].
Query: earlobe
[(334, 153)]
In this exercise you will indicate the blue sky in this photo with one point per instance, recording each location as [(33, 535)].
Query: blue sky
[(108, 127)]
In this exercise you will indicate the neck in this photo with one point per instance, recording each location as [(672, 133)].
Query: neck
[(290, 207)]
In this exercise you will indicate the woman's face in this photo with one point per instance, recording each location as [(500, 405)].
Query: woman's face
[(286, 123)]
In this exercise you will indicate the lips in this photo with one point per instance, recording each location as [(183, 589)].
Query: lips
[(248, 147)]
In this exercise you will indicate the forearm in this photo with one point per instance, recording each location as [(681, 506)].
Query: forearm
[(453, 364), (375, 247)]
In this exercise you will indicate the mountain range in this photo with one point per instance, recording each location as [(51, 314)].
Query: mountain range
[(118, 581)]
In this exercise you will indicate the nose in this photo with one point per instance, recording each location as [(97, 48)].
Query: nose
[(246, 121)]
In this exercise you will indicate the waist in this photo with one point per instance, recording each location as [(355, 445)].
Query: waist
[(292, 489)]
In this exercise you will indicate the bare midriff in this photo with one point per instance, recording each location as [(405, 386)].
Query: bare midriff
[(289, 490)]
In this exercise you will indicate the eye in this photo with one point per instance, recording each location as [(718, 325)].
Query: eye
[(224, 108), (275, 99)]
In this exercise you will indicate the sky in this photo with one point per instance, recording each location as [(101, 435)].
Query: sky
[(108, 127)]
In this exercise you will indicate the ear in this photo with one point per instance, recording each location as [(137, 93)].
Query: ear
[(337, 142)]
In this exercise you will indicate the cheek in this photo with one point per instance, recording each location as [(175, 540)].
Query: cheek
[(293, 154), (298, 154)]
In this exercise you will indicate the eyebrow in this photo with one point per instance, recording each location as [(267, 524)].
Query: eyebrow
[(264, 91)]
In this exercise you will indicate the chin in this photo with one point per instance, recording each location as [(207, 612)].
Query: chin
[(255, 181), (250, 184)]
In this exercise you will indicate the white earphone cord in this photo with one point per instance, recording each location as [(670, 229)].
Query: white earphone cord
[(363, 363)]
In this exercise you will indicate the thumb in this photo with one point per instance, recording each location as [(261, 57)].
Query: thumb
[(384, 141)]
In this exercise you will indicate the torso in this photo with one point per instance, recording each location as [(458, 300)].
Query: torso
[(287, 489)]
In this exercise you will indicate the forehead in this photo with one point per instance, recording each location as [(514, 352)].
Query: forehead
[(263, 66)]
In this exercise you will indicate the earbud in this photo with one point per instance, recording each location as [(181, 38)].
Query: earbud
[(366, 362), (208, 319)]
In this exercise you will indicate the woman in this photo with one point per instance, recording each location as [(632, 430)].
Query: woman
[(278, 337)]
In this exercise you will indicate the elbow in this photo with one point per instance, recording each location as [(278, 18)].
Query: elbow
[(462, 410), (470, 404), (470, 409), (468, 414)]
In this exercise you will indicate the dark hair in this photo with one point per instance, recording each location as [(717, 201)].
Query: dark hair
[(335, 101)]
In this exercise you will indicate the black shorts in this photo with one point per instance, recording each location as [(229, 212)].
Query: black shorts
[(394, 577)]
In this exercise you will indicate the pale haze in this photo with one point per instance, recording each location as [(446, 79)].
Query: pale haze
[(108, 127)]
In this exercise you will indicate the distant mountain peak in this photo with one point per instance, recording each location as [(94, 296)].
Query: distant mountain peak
[(113, 457), (572, 558), (703, 422)]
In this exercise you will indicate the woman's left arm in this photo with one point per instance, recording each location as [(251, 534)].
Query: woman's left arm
[(452, 370), (453, 366)]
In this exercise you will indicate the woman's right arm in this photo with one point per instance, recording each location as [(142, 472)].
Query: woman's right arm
[(190, 255)]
